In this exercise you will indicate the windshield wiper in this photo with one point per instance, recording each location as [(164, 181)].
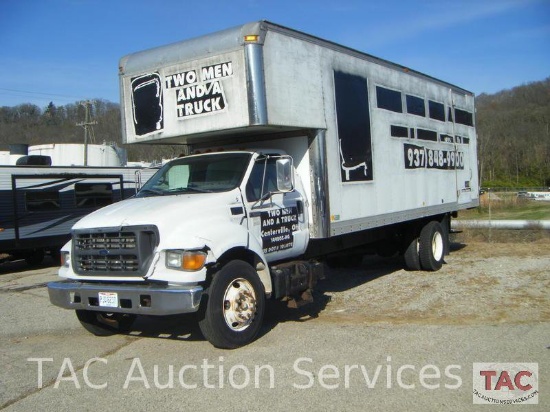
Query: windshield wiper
[(154, 191), (190, 188)]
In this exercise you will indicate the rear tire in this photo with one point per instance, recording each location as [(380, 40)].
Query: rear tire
[(232, 313), (103, 323), (432, 246), (411, 254)]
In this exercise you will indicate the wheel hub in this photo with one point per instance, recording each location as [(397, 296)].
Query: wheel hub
[(437, 246), (239, 304)]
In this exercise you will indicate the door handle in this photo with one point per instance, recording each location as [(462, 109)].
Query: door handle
[(300, 207)]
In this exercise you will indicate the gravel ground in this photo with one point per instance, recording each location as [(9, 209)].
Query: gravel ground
[(489, 303), (480, 283)]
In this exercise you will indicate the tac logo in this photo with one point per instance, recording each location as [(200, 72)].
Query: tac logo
[(506, 383)]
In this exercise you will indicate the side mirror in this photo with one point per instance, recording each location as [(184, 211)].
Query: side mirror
[(285, 181)]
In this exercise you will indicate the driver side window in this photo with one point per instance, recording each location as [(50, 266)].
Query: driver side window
[(254, 187)]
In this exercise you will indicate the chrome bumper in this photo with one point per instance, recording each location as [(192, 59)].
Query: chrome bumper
[(138, 299)]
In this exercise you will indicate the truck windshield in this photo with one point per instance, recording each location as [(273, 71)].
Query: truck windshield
[(219, 172)]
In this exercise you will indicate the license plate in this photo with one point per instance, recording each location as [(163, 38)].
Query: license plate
[(108, 299)]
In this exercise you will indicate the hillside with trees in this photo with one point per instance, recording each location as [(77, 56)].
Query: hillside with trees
[(513, 133), (513, 129), (30, 124)]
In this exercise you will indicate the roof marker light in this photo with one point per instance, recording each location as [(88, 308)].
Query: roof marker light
[(251, 38)]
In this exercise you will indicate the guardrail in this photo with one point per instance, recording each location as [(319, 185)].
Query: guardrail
[(501, 224)]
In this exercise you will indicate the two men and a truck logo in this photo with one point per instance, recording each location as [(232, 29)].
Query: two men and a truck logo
[(197, 91)]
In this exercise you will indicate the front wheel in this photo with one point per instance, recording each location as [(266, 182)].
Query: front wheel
[(233, 309), (105, 324)]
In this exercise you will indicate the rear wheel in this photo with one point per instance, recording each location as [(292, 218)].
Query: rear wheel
[(432, 245), (232, 313), (411, 255), (103, 323)]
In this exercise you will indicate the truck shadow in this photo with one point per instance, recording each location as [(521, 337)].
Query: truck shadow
[(19, 266), (185, 327), (456, 246), (174, 327), (336, 280)]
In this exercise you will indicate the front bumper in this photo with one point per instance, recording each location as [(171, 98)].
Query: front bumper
[(147, 299)]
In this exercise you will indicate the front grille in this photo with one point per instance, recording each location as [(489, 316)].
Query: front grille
[(124, 240), (117, 263), (119, 252)]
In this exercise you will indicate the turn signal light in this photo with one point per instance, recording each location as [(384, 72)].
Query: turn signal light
[(193, 260)]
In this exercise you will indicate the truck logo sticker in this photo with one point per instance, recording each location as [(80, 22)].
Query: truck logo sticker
[(277, 227), (147, 104), (199, 91), (421, 157)]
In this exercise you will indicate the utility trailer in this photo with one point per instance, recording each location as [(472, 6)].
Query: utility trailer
[(299, 149), (40, 204)]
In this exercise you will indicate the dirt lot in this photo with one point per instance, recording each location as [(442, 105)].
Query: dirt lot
[(482, 283), (489, 303)]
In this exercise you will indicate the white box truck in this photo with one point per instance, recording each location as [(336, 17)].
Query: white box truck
[(298, 149)]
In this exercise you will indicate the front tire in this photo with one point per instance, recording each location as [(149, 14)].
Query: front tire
[(232, 313), (103, 323), (432, 245)]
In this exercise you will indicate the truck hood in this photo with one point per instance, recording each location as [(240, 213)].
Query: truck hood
[(186, 211)]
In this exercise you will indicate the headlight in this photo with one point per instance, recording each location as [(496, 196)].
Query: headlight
[(185, 259)]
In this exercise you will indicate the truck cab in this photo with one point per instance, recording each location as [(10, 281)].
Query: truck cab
[(236, 213)]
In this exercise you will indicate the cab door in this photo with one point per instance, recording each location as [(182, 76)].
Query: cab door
[(276, 208)]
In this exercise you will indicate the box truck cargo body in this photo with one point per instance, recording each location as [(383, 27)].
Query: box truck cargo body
[(299, 149)]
